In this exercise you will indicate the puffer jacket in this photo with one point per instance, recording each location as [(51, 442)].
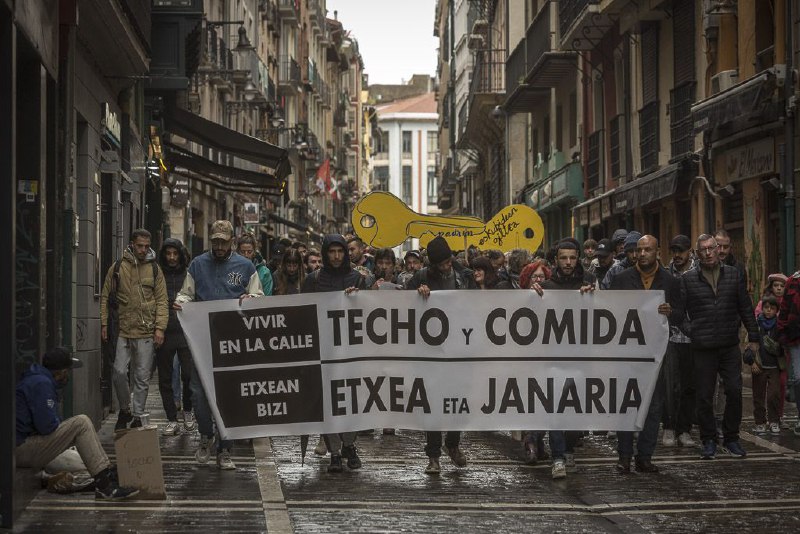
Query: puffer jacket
[(174, 279), (329, 278), (576, 280), (142, 301), (789, 314), (714, 319)]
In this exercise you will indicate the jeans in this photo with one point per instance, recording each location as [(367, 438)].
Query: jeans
[(558, 444), (679, 394), (202, 413), (336, 441), (139, 353), (165, 356), (794, 355), (433, 442), (727, 362), (37, 451), (177, 384), (648, 437)]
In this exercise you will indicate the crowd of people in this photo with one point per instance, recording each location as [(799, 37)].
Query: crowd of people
[(707, 304)]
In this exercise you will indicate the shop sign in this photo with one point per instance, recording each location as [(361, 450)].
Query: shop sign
[(594, 214), (180, 191), (583, 216), (605, 207), (112, 129), (251, 213), (751, 160)]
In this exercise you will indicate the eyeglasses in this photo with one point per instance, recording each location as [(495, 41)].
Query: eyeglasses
[(707, 250)]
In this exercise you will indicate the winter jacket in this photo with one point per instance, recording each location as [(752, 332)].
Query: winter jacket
[(329, 278), (211, 279), (599, 271), (677, 334), (768, 328), (614, 270), (789, 314), (174, 279), (631, 279), (264, 274), (462, 279), (37, 403), (142, 300), (714, 319), (576, 280)]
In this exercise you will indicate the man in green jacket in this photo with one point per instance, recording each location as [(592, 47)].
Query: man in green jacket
[(135, 289)]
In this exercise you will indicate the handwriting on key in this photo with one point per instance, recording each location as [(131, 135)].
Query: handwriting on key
[(382, 220)]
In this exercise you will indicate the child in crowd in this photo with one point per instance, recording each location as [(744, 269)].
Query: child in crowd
[(766, 367)]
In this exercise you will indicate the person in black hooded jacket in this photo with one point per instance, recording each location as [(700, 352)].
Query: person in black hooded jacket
[(174, 260), (337, 274)]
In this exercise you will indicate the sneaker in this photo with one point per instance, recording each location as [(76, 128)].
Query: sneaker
[(775, 428), (759, 429), (171, 429), (457, 456), (433, 467), (569, 460), (321, 449), (784, 425), (669, 438), (224, 461), (644, 465), (136, 423), (203, 453), (709, 450), (189, 422), (336, 464), (623, 466), (559, 470), (685, 440), (353, 461), (123, 418), (388, 432), (735, 449), (107, 487)]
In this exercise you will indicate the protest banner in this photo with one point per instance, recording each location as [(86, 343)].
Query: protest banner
[(494, 360)]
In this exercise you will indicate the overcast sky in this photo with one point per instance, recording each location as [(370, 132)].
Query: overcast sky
[(395, 37)]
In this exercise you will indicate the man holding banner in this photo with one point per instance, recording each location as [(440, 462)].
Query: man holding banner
[(647, 274), (337, 274)]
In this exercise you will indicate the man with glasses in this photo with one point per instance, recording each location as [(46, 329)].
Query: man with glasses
[(717, 303)]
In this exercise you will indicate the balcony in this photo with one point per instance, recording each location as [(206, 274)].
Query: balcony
[(487, 90), (582, 24), (317, 17), (521, 96), (289, 75), (289, 10), (547, 66)]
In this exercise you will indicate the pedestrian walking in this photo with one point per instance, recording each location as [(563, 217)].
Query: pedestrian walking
[(174, 261), (717, 304), (358, 255), (246, 246), (589, 250), (603, 259), (765, 367), (789, 334), (134, 297), (312, 260), (290, 275), (412, 262), (629, 259), (217, 274)]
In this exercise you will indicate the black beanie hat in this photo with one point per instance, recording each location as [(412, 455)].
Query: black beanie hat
[(439, 250)]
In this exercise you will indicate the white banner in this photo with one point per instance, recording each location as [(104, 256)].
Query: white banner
[(461, 360)]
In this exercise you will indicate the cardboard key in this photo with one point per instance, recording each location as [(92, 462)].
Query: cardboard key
[(382, 220)]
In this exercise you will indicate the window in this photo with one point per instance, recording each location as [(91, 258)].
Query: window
[(381, 142), (406, 144), (433, 143), (406, 191), (433, 185), (381, 182)]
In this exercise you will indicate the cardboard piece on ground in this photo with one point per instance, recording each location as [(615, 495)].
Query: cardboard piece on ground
[(139, 462)]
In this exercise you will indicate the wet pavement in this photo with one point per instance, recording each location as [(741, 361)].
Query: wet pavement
[(272, 492)]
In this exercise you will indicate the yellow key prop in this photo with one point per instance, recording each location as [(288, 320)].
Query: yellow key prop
[(381, 219)]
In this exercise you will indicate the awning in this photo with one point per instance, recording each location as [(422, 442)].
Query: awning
[(273, 160), (740, 101), (650, 188), (291, 224)]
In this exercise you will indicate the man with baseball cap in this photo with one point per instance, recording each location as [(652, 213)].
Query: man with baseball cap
[(604, 258), (42, 435), (412, 262)]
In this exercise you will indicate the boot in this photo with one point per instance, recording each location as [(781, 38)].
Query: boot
[(124, 417)]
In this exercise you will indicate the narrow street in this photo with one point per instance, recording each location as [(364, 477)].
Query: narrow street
[(272, 492)]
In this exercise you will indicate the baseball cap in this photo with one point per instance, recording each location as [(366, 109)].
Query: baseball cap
[(59, 358), (680, 242), (222, 230), (604, 248), (414, 253)]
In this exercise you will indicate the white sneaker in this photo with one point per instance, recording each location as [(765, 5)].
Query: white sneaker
[(760, 429), (775, 428), (685, 440), (559, 470), (171, 429), (669, 438), (203, 453), (224, 461), (569, 461), (189, 422), (321, 449)]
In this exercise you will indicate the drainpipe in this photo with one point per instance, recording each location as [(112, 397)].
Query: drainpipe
[(788, 174)]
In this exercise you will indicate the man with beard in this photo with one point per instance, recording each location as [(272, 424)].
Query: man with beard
[(648, 275), (174, 260), (42, 435), (438, 277), (218, 274), (312, 260), (726, 256), (629, 249), (412, 262), (569, 275), (358, 256), (337, 274), (384, 270)]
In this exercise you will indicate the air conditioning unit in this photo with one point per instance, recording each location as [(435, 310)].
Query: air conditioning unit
[(724, 80)]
